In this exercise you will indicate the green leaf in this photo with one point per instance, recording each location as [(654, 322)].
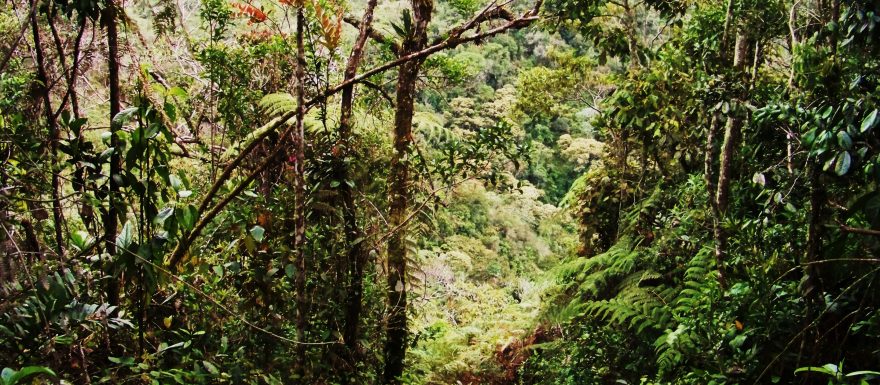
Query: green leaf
[(844, 160), (127, 361), (863, 373), (6, 374), (816, 369), (177, 92), (257, 232), (759, 178), (81, 239), (738, 341), (210, 368), (810, 137), (12, 377), (163, 215), (176, 182), (870, 121), (124, 116), (844, 140), (187, 216), (125, 237)]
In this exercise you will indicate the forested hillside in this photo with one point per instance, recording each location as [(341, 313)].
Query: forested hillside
[(500, 192)]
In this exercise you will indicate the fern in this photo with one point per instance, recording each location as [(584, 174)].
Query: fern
[(278, 104)]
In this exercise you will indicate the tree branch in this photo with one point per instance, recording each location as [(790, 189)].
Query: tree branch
[(372, 33), (860, 231)]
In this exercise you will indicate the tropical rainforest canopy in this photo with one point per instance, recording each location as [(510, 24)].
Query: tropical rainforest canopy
[(440, 192)]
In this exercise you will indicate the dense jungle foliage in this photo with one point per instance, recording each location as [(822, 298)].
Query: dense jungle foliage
[(440, 192)]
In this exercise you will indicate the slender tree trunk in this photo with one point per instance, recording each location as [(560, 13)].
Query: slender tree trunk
[(302, 305), (728, 24), (356, 255), (111, 221), (732, 132), (54, 136), (68, 72), (399, 190), (631, 37), (7, 272), (712, 178), (793, 38), (818, 195), (710, 158), (812, 288)]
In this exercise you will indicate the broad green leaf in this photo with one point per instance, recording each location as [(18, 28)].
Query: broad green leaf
[(124, 116), (844, 160), (844, 140), (759, 178), (176, 182), (257, 232), (210, 368), (738, 341), (187, 217), (163, 215), (809, 137), (177, 92), (81, 240), (870, 121), (125, 237), (12, 377)]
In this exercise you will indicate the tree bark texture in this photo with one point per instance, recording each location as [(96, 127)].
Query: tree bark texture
[(111, 220), (356, 253), (54, 136), (732, 133), (399, 191), (299, 214)]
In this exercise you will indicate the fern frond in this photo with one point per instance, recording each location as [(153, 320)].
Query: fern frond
[(278, 104)]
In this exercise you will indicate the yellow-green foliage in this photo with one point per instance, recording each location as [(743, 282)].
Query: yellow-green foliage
[(483, 278)]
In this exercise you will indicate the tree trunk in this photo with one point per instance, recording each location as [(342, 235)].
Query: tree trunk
[(302, 305), (399, 191), (812, 287), (54, 136), (728, 24), (710, 158), (7, 274), (111, 221), (356, 255), (631, 39), (812, 281), (732, 132)]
